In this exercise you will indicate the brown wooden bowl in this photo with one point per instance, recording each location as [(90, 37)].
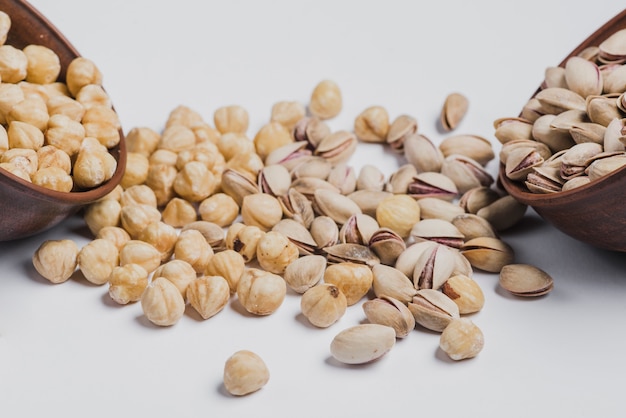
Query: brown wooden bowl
[(594, 213), (27, 209)]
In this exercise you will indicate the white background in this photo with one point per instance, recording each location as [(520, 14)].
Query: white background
[(67, 350)]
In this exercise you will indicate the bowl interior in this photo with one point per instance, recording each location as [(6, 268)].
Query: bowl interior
[(27, 208), (593, 213)]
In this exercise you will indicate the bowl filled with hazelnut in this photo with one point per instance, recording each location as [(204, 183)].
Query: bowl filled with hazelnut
[(564, 155), (61, 143)]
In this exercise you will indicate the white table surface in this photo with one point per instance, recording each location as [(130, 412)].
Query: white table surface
[(67, 350)]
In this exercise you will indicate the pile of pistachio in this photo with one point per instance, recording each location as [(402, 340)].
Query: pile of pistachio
[(573, 131), (204, 214)]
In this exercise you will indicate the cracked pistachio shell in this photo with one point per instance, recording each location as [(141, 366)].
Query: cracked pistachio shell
[(432, 184), (388, 311), (387, 245), (453, 111), (465, 292), (237, 185), (525, 280), (433, 309), (351, 253), (399, 180), (613, 137), (434, 267), (289, 155), (557, 99), (362, 343), (298, 207), (512, 129), (407, 260), (399, 130), (298, 234), (555, 139), (565, 120), (583, 76), (544, 179), (433, 208), (575, 182), (212, 233), (392, 282), (422, 153), (358, 229), (312, 167), (323, 305), (274, 180), (488, 254), (310, 130), (604, 166), (343, 177), (465, 173), (615, 79), (334, 205), (538, 146), (475, 147), (603, 109), (474, 226), (370, 178), (554, 77), (521, 161), (477, 197), (532, 110), (337, 147), (309, 185), (305, 272), (368, 200), (324, 231), (612, 48), (439, 231), (588, 132), (576, 159)]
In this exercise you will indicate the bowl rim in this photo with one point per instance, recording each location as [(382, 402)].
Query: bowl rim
[(79, 197), (517, 190)]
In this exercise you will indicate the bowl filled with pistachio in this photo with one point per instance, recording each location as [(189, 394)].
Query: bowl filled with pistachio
[(564, 155), (61, 142)]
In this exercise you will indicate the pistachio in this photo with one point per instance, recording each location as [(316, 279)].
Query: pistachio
[(392, 282), (583, 77), (362, 343), (343, 178), (407, 260), (465, 173), (544, 132), (433, 310), (305, 272), (399, 181), (476, 198), (334, 205), (453, 111), (358, 229), (557, 99), (475, 147), (312, 167), (298, 207), (544, 180), (437, 230), (388, 311), (387, 245), (399, 130), (433, 267), (324, 231), (512, 129), (274, 180), (420, 151), (525, 280), (461, 339), (298, 235), (311, 131), (473, 226), (370, 178), (488, 254), (431, 207), (432, 184), (337, 147), (368, 200), (289, 155), (323, 305)]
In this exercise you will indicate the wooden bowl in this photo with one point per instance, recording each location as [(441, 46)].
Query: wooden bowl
[(594, 213), (27, 209)]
